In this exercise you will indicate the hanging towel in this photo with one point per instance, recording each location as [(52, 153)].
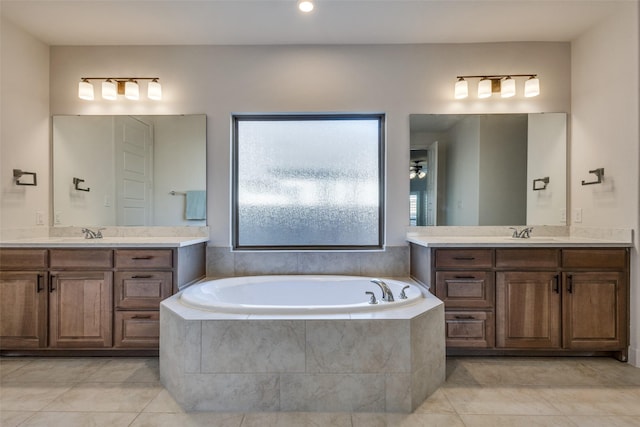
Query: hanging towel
[(196, 205)]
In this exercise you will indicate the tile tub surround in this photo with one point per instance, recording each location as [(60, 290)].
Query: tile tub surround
[(392, 261), (387, 361)]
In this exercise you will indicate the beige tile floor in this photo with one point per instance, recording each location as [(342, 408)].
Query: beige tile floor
[(495, 392)]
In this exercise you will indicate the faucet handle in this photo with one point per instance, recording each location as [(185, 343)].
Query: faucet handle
[(402, 294), (373, 299), (515, 234), (99, 232)]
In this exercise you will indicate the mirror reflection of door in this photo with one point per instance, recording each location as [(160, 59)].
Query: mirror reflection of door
[(423, 192), (134, 177)]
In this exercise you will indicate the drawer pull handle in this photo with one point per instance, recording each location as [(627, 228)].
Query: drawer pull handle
[(465, 277), (464, 258), (464, 317), (141, 316), (51, 280), (142, 276), (556, 283), (142, 257), (570, 283), (39, 285)]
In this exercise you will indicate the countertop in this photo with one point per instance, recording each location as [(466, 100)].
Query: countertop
[(105, 242), (508, 242)]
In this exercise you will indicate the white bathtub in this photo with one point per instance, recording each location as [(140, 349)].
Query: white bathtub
[(295, 295)]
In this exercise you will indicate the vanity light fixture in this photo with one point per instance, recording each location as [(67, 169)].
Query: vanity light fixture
[(462, 88), (504, 84), (131, 90), (305, 6), (532, 87), (114, 86), (85, 90)]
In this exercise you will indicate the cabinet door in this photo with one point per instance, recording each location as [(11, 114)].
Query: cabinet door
[(528, 310), (595, 311), (80, 309), (23, 310)]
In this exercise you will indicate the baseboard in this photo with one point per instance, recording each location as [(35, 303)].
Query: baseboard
[(634, 357)]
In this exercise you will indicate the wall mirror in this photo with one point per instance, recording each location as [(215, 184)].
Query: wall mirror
[(129, 170), (488, 169)]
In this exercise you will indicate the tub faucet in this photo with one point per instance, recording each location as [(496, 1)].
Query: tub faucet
[(90, 234), (387, 295)]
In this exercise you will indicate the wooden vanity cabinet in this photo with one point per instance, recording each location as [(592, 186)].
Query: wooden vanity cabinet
[(532, 300), (144, 277), (86, 300), (596, 299), (23, 298), (80, 298), (464, 281), (528, 310)]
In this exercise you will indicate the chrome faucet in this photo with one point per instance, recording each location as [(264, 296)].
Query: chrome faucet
[(90, 234), (387, 295), (525, 233)]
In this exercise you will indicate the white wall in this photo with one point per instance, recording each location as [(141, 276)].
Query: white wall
[(604, 127), (395, 79), (24, 127)]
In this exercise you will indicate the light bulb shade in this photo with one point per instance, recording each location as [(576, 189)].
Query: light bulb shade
[(305, 5), (109, 90), (131, 90), (85, 90), (507, 87), (412, 174), (532, 87), (154, 90), (462, 89), (421, 174), (484, 88)]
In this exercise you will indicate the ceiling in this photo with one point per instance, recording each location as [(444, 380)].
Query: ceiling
[(234, 22)]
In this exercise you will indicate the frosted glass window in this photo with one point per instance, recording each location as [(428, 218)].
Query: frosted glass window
[(303, 181)]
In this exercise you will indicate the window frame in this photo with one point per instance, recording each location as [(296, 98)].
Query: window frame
[(235, 223)]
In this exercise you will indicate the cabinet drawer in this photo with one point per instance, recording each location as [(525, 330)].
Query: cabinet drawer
[(469, 329), (137, 329), (144, 258), (464, 258), (24, 259), (142, 290), (527, 258), (595, 258), (81, 258), (465, 289)]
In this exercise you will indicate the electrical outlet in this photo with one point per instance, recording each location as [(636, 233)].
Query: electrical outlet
[(39, 218), (107, 201), (563, 216), (57, 219), (577, 215)]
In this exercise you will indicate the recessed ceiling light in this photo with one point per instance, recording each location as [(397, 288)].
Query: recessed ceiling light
[(305, 5)]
